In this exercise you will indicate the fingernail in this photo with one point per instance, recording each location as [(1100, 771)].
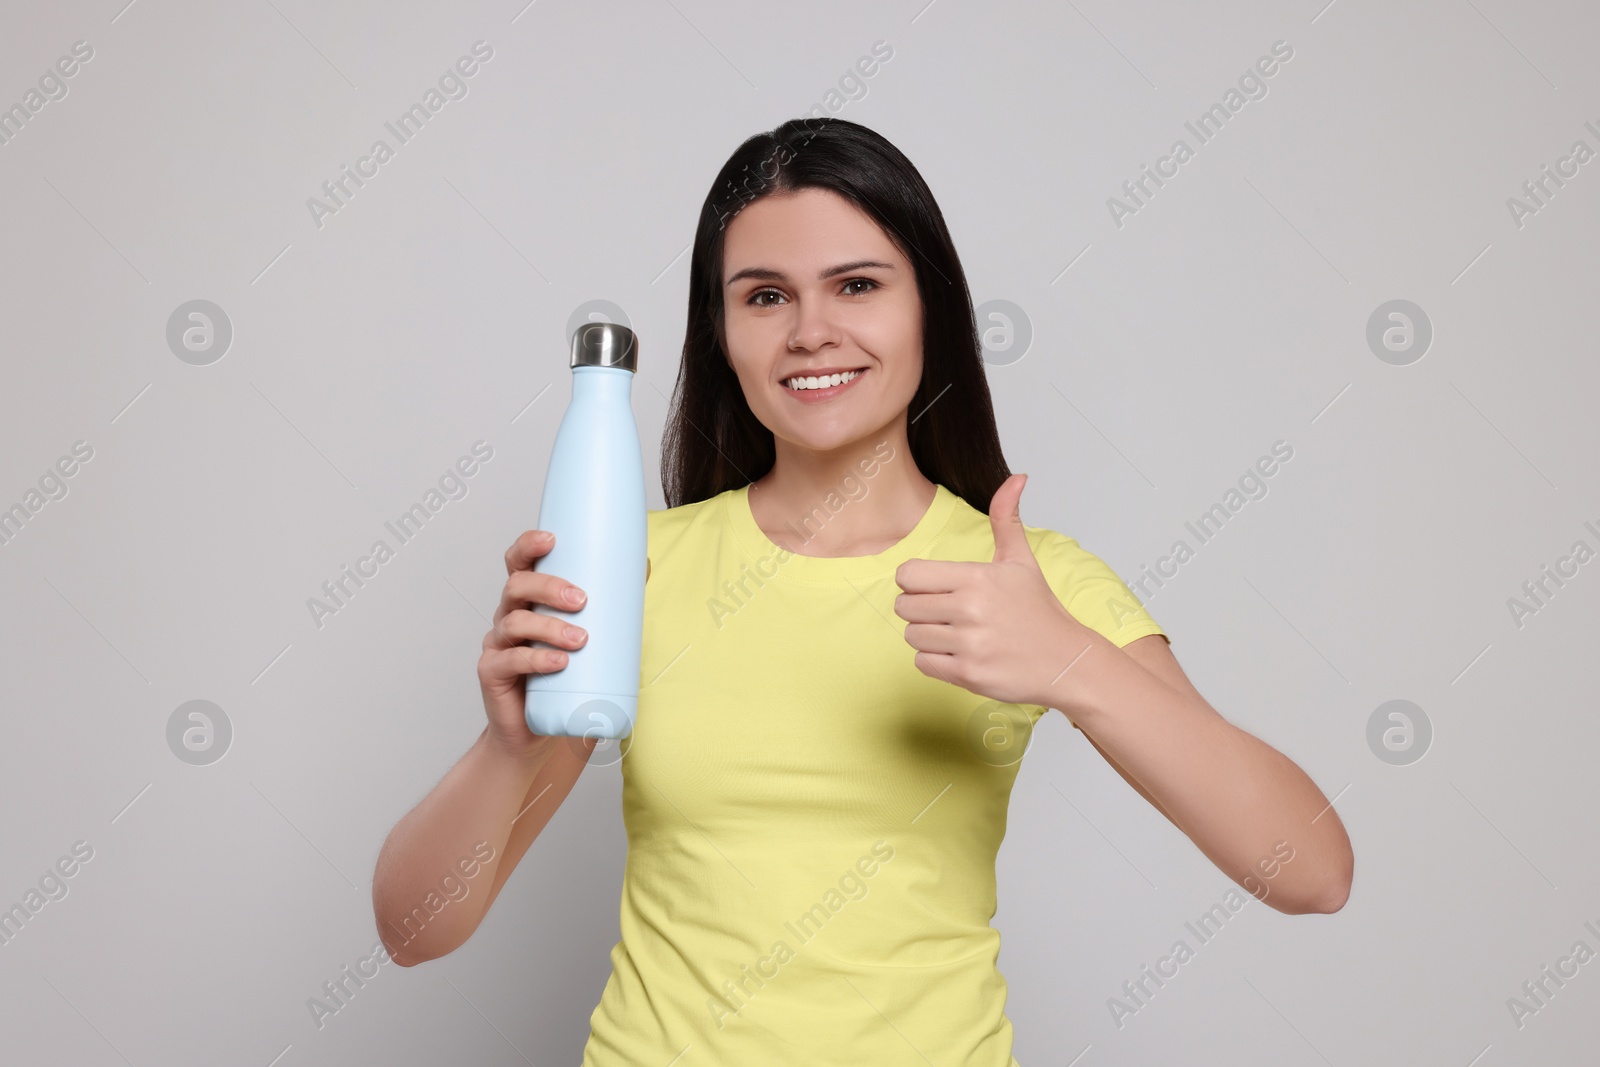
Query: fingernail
[(573, 633), (544, 535), (575, 596), (559, 659)]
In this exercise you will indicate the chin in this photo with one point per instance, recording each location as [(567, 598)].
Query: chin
[(832, 438)]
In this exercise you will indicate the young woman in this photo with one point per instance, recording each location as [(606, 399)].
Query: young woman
[(849, 634)]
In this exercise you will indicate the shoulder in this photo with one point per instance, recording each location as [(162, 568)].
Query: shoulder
[(1089, 588), (968, 534), (682, 528), (1063, 560), (971, 528), (666, 526), (1059, 548)]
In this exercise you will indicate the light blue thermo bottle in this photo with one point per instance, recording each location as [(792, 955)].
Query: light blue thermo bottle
[(594, 503)]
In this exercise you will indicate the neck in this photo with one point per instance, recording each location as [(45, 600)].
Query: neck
[(856, 500)]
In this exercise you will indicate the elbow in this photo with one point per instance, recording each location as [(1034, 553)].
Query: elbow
[(400, 956), (396, 953), (1333, 900), (403, 941), (404, 954), (1339, 885), (408, 952), (419, 947), (1323, 896), (1326, 903)]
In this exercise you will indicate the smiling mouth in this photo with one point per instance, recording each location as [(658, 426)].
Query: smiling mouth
[(806, 383)]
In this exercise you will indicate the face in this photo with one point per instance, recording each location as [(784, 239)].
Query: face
[(815, 293)]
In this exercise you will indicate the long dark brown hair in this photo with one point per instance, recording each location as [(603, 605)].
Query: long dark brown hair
[(713, 441)]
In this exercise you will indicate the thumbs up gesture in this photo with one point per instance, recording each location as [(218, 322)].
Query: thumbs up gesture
[(995, 629)]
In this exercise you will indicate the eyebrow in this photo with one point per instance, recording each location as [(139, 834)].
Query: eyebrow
[(767, 274)]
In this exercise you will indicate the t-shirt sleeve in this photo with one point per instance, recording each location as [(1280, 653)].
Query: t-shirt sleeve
[(1091, 590)]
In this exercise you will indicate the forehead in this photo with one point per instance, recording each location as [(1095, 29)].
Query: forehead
[(810, 227)]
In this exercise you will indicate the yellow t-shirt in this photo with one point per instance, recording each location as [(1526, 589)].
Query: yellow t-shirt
[(812, 822)]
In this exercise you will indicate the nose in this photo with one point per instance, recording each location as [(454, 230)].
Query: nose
[(814, 327)]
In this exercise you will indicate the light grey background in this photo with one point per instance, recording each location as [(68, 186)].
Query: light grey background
[(369, 354)]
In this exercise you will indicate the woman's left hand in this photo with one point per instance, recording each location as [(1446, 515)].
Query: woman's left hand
[(995, 629)]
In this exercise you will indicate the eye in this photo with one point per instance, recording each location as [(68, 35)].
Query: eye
[(755, 298), (861, 281)]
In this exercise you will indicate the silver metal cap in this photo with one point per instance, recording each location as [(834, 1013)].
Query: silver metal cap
[(605, 344)]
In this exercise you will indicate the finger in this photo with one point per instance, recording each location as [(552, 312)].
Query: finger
[(529, 546), (524, 625), (1010, 539), (535, 587), (931, 637), (932, 575), (506, 664), (928, 607), (935, 665)]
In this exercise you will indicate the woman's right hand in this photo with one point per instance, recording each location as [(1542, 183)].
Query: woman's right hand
[(507, 661)]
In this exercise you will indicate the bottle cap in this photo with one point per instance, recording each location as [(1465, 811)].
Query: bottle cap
[(605, 344)]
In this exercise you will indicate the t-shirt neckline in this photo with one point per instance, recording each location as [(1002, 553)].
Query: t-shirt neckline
[(772, 561)]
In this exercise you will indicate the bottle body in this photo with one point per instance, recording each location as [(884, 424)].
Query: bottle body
[(594, 504)]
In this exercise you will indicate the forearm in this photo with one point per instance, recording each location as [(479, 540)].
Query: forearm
[(1232, 794), (476, 801)]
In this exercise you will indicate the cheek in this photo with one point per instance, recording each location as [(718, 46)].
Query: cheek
[(743, 346), (747, 385), (903, 345), (752, 375), (752, 336)]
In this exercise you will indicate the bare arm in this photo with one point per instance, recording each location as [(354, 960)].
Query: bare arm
[(458, 846), (1232, 794), (477, 810)]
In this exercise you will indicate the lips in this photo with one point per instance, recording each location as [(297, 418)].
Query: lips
[(822, 379), (847, 380)]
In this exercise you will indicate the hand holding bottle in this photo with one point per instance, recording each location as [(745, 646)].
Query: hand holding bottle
[(507, 660)]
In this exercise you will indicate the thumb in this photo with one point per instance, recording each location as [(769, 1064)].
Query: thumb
[(1010, 542)]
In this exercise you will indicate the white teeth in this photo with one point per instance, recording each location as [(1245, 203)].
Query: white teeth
[(824, 382)]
